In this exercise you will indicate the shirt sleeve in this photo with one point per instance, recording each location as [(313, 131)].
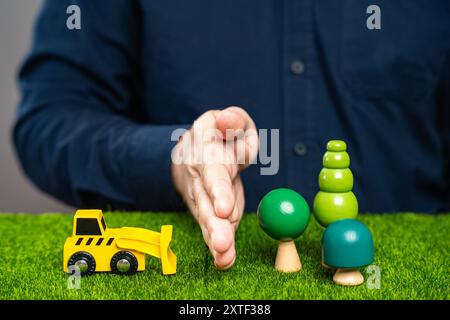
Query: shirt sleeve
[(78, 133)]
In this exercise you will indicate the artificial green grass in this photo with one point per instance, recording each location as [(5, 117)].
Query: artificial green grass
[(411, 250)]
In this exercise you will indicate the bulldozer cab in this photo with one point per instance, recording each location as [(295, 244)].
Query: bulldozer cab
[(89, 223)]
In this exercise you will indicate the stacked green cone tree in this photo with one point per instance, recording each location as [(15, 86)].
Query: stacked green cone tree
[(335, 200), (346, 244)]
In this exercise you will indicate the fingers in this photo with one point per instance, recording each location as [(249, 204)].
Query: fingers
[(221, 235), (217, 232), (239, 206), (225, 260), (226, 193), (218, 185)]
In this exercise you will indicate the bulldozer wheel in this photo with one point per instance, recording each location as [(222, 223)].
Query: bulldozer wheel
[(124, 262), (84, 260)]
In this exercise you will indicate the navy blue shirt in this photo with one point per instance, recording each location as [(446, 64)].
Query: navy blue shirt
[(99, 104)]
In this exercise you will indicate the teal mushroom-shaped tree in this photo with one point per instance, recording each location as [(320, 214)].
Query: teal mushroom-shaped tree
[(284, 215), (347, 245)]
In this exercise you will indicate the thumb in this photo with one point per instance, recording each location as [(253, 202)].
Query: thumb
[(235, 122)]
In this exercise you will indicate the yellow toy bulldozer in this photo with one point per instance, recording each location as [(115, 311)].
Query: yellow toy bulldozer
[(93, 247)]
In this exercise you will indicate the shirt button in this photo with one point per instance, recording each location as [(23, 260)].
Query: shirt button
[(300, 149), (297, 67)]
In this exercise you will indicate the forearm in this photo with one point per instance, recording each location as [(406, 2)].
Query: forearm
[(89, 158)]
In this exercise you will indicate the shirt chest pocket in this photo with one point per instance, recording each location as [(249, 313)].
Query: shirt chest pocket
[(400, 61)]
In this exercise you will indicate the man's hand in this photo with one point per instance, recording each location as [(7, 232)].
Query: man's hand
[(219, 145)]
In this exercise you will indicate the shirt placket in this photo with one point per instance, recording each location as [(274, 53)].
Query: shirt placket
[(299, 135)]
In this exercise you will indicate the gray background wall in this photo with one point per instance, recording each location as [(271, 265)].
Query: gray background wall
[(16, 192)]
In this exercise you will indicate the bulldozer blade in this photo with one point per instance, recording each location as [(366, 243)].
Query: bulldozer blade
[(168, 258)]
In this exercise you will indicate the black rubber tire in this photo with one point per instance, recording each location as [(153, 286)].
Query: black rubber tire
[(131, 258), (86, 256)]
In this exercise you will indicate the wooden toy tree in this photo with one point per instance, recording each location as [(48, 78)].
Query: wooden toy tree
[(347, 245), (335, 200), (284, 215)]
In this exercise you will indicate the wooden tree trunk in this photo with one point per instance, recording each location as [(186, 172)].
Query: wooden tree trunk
[(348, 277), (287, 259)]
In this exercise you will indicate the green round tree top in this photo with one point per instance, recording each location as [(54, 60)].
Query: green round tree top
[(283, 214), (347, 244)]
